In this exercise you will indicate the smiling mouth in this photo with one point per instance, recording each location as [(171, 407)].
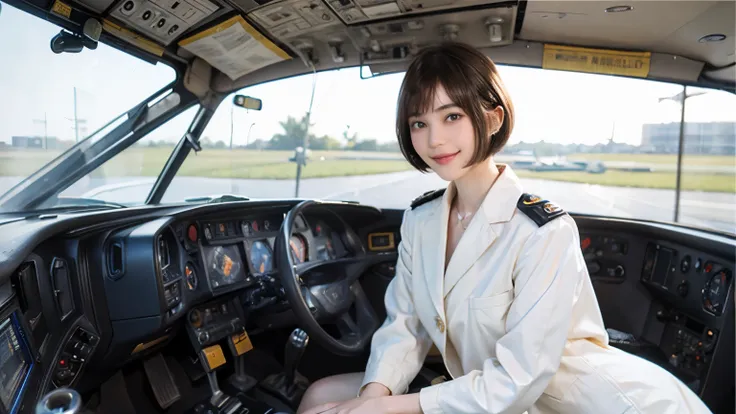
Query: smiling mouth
[(445, 158)]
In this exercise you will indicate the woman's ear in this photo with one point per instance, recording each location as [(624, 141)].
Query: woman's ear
[(495, 119)]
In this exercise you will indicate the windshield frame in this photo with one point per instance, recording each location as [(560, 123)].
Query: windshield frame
[(65, 169)]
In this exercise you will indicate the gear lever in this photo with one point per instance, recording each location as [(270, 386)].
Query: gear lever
[(289, 385), (293, 352)]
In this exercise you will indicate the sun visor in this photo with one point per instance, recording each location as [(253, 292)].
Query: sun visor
[(234, 47)]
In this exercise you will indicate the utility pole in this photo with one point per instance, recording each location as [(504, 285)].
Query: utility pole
[(45, 130), (76, 120)]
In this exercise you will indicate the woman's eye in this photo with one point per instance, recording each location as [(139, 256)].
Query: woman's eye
[(416, 125), (453, 117)]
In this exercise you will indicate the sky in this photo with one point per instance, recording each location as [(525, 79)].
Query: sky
[(560, 107)]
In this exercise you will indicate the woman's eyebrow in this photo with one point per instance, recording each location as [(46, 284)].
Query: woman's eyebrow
[(441, 108)]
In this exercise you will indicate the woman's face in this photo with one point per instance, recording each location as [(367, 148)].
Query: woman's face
[(444, 137)]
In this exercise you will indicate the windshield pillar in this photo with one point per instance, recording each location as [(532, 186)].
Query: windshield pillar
[(183, 147)]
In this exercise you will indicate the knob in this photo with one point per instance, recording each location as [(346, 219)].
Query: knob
[(619, 271), (60, 401), (203, 337), (683, 288), (195, 318)]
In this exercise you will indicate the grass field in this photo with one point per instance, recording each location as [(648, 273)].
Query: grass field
[(148, 162)]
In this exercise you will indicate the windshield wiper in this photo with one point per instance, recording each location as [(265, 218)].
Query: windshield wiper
[(224, 198)]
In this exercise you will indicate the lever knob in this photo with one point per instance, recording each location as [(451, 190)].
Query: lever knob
[(293, 352)]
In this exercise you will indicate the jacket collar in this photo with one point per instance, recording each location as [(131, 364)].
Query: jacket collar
[(498, 206)]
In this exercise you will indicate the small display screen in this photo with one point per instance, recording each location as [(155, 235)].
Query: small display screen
[(13, 363), (224, 265)]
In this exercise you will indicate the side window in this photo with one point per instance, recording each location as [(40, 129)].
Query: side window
[(128, 177)]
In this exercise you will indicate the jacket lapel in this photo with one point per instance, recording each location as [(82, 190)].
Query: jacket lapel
[(497, 207), (434, 243)]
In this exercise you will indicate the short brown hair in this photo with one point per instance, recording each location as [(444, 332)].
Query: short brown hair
[(472, 82)]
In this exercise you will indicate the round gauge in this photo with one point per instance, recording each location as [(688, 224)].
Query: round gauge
[(193, 233), (261, 257), (191, 276), (266, 225), (716, 290), (298, 248), (208, 233), (255, 226)]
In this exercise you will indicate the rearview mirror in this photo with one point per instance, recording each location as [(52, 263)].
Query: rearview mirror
[(247, 102)]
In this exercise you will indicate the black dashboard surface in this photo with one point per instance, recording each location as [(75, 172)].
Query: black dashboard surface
[(92, 291)]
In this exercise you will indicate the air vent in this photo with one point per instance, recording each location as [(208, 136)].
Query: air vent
[(62, 288), (116, 262), (25, 285)]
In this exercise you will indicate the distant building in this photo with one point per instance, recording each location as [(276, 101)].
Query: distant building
[(700, 138), (36, 142)]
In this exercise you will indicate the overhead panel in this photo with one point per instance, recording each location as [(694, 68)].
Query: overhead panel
[(287, 19), (356, 11), (163, 20)]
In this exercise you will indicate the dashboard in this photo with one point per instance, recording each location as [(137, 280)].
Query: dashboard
[(85, 294)]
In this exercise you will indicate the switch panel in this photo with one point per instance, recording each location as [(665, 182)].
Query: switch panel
[(74, 356), (163, 20)]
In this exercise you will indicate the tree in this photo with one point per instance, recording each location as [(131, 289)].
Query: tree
[(366, 145), (350, 140), (293, 136)]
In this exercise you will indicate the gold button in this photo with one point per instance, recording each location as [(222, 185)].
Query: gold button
[(440, 324)]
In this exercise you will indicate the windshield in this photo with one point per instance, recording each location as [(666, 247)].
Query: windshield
[(53, 102), (594, 144)]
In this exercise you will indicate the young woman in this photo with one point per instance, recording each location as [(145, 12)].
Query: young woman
[(493, 277)]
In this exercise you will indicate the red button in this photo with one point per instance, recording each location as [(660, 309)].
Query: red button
[(62, 362)]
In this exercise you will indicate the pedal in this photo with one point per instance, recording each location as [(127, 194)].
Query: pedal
[(161, 380)]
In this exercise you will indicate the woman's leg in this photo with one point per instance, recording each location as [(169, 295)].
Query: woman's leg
[(341, 387)]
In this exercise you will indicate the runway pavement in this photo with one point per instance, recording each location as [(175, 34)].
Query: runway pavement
[(396, 190)]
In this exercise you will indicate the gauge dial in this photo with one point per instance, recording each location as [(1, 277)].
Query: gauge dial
[(191, 276), (716, 291), (261, 257), (193, 233), (298, 249)]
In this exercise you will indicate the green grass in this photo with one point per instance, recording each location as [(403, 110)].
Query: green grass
[(223, 163), (664, 180)]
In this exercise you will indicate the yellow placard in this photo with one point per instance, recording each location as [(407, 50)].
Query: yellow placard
[(132, 38), (241, 343), (62, 9), (248, 28), (608, 62), (214, 355)]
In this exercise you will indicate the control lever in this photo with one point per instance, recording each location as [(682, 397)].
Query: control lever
[(293, 352), (60, 401), (289, 385)]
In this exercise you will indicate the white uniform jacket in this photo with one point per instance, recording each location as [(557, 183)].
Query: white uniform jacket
[(514, 316)]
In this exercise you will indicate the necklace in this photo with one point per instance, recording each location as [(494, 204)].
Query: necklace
[(462, 217)]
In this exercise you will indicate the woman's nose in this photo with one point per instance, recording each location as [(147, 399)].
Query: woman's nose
[(436, 137)]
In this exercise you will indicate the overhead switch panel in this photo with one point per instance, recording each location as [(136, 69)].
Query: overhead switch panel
[(163, 20)]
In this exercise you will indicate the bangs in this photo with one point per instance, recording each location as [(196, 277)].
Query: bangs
[(420, 90)]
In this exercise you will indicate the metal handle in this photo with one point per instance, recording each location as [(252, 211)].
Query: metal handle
[(60, 401), (293, 352)]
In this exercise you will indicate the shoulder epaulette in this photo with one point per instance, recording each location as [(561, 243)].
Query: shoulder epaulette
[(539, 210), (427, 197)]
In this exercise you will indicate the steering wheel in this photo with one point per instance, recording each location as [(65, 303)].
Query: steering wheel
[(328, 291)]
